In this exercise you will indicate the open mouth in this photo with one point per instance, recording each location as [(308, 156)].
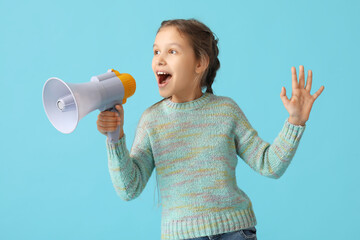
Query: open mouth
[(163, 77)]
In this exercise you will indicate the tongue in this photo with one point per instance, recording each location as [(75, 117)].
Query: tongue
[(164, 78)]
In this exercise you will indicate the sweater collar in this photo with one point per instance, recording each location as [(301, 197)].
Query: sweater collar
[(197, 103)]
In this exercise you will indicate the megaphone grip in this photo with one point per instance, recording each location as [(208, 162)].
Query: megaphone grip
[(113, 137)]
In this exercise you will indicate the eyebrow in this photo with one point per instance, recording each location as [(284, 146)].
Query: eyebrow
[(176, 44)]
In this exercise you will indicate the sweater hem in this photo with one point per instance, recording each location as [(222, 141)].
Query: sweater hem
[(207, 225)]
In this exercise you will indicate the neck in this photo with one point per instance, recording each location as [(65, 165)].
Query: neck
[(190, 97)]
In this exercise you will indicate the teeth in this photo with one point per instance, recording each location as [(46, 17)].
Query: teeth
[(161, 73)]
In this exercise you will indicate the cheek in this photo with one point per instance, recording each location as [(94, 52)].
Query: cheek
[(187, 69), (153, 63), (188, 63)]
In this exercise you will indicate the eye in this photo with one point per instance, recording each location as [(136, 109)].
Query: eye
[(172, 51), (156, 52)]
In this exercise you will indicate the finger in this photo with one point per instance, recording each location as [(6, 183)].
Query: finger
[(109, 119), (108, 114), (283, 96), (309, 81), (100, 129), (294, 78), (318, 92), (108, 124), (301, 77), (107, 129)]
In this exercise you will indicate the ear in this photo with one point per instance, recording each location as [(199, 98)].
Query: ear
[(202, 64)]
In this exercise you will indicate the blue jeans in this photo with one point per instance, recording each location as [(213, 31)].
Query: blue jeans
[(242, 234)]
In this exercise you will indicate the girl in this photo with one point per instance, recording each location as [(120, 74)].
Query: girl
[(193, 139)]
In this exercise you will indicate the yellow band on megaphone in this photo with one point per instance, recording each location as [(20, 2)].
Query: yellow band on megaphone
[(128, 82)]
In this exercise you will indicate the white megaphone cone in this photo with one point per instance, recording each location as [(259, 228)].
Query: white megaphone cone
[(66, 103)]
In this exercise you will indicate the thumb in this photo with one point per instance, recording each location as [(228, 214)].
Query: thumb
[(120, 109), (283, 96)]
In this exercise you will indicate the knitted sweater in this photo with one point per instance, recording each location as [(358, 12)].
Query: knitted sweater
[(194, 147)]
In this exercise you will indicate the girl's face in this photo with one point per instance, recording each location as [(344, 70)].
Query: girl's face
[(176, 69)]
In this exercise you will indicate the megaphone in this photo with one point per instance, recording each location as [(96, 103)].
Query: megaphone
[(66, 103)]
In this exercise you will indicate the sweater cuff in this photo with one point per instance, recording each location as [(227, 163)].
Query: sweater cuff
[(117, 149), (292, 132)]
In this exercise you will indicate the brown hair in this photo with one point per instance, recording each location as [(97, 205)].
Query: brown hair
[(204, 43)]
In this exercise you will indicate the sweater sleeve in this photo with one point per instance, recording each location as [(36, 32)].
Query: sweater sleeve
[(130, 172), (270, 160)]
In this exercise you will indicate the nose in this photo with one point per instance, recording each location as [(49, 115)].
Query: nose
[(160, 60)]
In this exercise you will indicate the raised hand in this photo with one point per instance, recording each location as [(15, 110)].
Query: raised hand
[(301, 101)]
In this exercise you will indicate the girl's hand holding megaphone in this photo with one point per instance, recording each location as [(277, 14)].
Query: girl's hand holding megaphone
[(109, 121)]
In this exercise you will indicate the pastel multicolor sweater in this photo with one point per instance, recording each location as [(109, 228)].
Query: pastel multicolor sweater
[(194, 147)]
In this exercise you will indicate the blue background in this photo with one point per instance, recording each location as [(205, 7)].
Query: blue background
[(57, 186)]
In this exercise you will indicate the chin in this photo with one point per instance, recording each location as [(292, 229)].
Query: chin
[(164, 95)]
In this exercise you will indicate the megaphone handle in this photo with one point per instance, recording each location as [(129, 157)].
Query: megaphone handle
[(114, 136)]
